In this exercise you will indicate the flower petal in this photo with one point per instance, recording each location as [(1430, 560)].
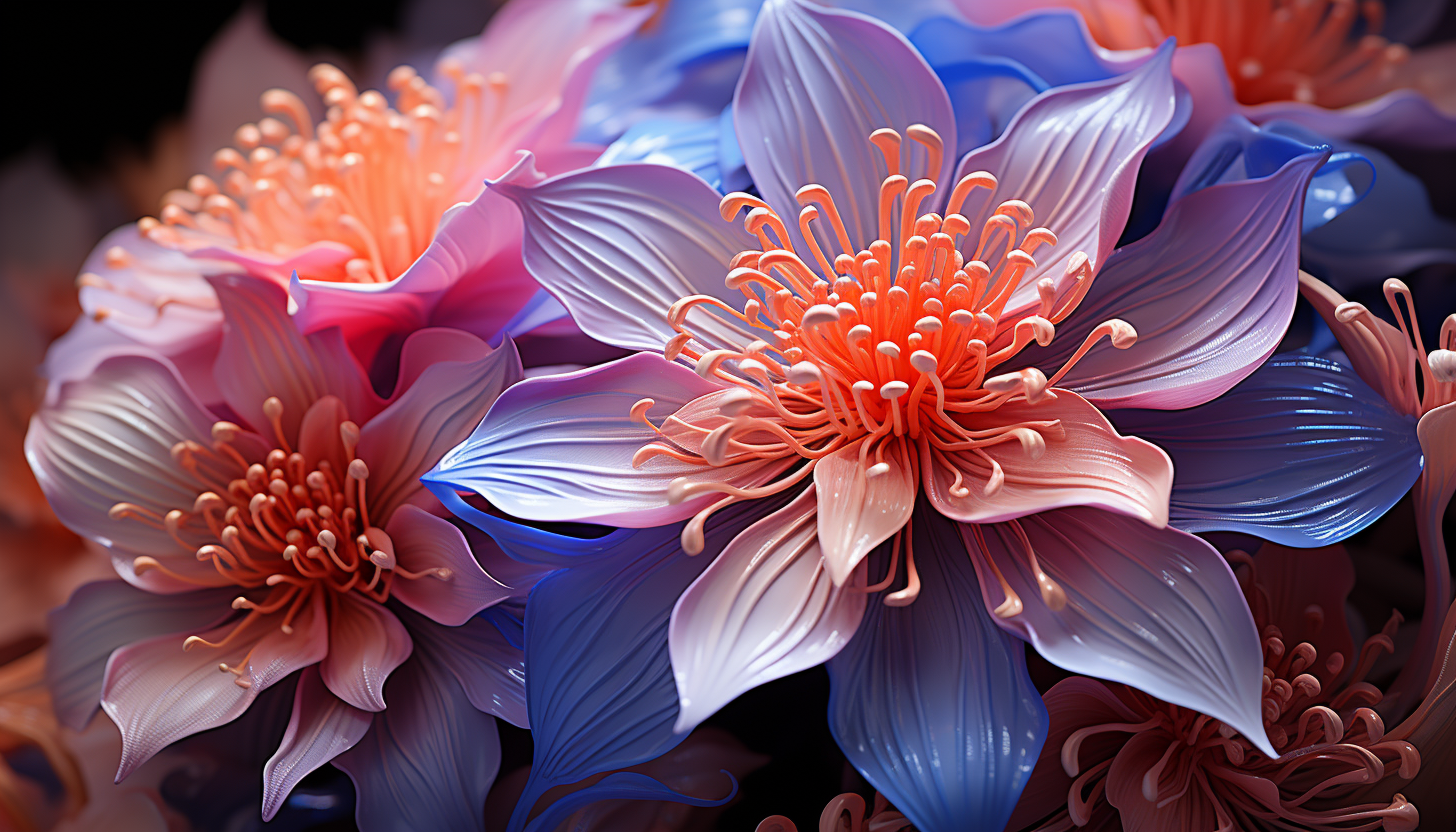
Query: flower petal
[(263, 355), (438, 410), (690, 144), (1210, 293), (1073, 155), (108, 439), (321, 728), (598, 678), (157, 692), (619, 245), (1304, 592), (1092, 465), (1192, 810), (931, 702), (428, 760), (1157, 609), (765, 608), (561, 447), (484, 655), (858, 512), (1302, 453), (366, 644), (816, 84), (105, 615), (424, 542)]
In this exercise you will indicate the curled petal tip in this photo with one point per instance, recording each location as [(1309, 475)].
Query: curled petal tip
[(522, 174)]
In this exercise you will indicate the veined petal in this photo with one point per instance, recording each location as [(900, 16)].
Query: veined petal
[(485, 655), (1210, 293), (157, 692), (366, 644), (619, 245), (765, 608), (424, 542), (858, 512), (1091, 465), (931, 702), (561, 447), (1305, 592), (687, 143), (103, 616), (436, 411), (1302, 453), (1157, 609), (321, 728), (1073, 155), (1193, 810), (816, 84)]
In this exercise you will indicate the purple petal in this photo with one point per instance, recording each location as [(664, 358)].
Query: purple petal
[(561, 447), (931, 702), (435, 410), (1073, 155), (619, 245), (103, 616), (765, 608), (321, 728), (1157, 609), (1210, 293), (424, 542), (429, 759), (484, 655), (816, 84), (1402, 117), (366, 644), (1302, 453)]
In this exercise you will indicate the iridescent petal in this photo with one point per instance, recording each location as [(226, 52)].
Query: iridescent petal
[(321, 728)]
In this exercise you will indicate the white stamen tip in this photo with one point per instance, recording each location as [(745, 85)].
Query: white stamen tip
[(878, 469), (923, 361), (1443, 365), (819, 314), (805, 373), (894, 389)]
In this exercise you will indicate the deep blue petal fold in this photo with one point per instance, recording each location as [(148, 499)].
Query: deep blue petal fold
[(931, 702), (622, 785), (1302, 453)]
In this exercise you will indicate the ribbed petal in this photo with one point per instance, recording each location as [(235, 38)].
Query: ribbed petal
[(366, 644), (1301, 453), (561, 447), (931, 702), (423, 542), (484, 655), (1191, 810), (1156, 609), (764, 609), (817, 83), (858, 512), (321, 728)]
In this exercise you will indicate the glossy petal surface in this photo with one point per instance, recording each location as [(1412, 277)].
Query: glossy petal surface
[(321, 728)]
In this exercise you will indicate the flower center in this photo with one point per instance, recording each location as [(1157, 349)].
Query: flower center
[(281, 529), (1416, 381), (1289, 49), (370, 178)]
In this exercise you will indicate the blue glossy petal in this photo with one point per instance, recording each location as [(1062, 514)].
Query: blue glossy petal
[(931, 702), (599, 684), (1302, 453), (623, 785), (690, 144), (526, 544)]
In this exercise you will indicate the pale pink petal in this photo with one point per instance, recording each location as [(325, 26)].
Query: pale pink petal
[(318, 434), (1073, 155), (1091, 465), (321, 728), (439, 409), (366, 644), (424, 542), (157, 693), (858, 512), (765, 608)]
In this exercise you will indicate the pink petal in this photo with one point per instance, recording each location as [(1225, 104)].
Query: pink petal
[(423, 541), (263, 355), (321, 728), (107, 439), (1093, 465), (1125, 790), (437, 411), (318, 434), (858, 512), (366, 644), (765, 608), (157, 693), (1073, 155), (1156, 609)]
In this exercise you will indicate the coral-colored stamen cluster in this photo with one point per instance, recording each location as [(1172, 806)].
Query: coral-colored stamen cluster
[(1278, 50), (1417, 382)]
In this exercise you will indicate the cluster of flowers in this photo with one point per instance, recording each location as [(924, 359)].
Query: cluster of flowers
[(893, 336)]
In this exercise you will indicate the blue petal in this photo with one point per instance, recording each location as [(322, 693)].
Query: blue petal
[(1302, 453), (623, 785), (690, 144), (598, 680), (931, 702)]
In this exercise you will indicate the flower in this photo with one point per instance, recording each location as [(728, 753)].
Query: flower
[(292, 536), (354, 213), (1150, 765), (846, 812), (849, 404)]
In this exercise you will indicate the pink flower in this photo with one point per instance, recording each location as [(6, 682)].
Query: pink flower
[(1115, 754), (291, 535)]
